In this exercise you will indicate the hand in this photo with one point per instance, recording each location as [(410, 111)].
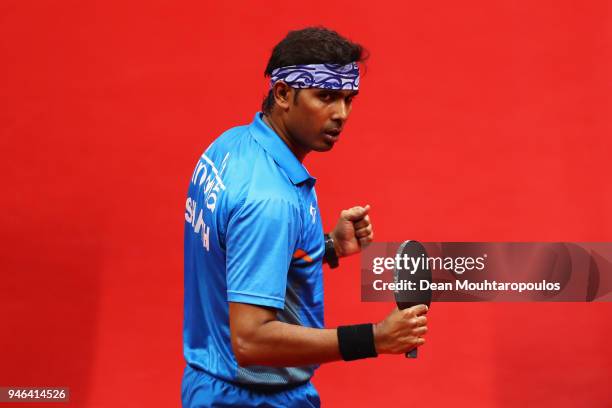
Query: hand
[(401, 331), (352, 231)]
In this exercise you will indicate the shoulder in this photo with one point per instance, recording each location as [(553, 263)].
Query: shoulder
[(250, 172), (247, 171)]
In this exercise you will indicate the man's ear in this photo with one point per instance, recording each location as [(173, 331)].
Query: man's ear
[(282, 94)]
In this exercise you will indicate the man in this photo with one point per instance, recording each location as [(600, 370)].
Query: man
[(254, 243)]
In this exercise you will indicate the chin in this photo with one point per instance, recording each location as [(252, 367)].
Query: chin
[(323, 147)]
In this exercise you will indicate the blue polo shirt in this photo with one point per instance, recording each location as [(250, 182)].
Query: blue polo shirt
[(253, 234)]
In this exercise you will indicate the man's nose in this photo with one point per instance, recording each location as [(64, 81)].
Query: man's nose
[(341, 112)]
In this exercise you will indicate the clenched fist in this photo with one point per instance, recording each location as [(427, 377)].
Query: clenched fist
[(352, 231)]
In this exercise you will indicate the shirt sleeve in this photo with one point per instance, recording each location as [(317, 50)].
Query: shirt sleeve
[(261, 237)]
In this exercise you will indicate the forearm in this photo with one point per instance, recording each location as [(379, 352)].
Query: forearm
[(258, 338), (281, 344)]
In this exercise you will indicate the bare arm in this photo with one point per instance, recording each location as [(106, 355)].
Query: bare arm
[(258, 338)]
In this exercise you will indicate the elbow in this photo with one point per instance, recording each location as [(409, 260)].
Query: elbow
[(243, 351), (249, 332)]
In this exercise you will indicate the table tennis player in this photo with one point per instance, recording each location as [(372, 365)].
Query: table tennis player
[(254, 243)]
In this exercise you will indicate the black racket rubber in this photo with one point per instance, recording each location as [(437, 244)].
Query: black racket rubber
[(408, 298)]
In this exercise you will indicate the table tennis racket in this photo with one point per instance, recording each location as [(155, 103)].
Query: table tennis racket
[(408, 298)]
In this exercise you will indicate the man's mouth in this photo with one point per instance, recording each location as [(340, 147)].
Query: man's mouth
[(333, 132)]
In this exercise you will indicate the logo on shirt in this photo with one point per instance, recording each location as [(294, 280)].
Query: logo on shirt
[(301, 254), (313, 212), (209, 179)]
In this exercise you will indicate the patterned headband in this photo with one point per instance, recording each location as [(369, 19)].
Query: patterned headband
[(327, 76)]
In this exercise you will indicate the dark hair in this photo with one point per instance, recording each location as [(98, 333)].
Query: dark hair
[(311, 45)]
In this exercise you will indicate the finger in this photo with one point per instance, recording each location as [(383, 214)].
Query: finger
[(415, 340), (363, 223), (355, 213), (416, 310), (420, 320), (363, 232), (420, 331), (411, 342), (414, 322), (366, 240), (408, 345), (417, 321)]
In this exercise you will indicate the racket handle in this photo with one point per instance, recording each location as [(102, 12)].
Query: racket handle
[(412, 353)]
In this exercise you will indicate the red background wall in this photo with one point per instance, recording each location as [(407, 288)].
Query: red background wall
[(477, 121)]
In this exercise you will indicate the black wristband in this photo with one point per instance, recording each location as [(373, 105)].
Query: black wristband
[(356, 341), (330, 256)]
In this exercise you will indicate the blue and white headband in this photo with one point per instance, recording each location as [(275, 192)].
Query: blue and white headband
[(326, 76)]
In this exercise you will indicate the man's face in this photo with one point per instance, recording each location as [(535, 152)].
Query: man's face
[(315, 117)]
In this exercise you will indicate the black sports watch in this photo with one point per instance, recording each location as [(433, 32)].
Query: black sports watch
[(330, 257)]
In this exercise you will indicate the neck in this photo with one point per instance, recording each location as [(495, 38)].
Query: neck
[(277, 125)]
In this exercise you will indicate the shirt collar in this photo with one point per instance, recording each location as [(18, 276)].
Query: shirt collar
[(276, 147)]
